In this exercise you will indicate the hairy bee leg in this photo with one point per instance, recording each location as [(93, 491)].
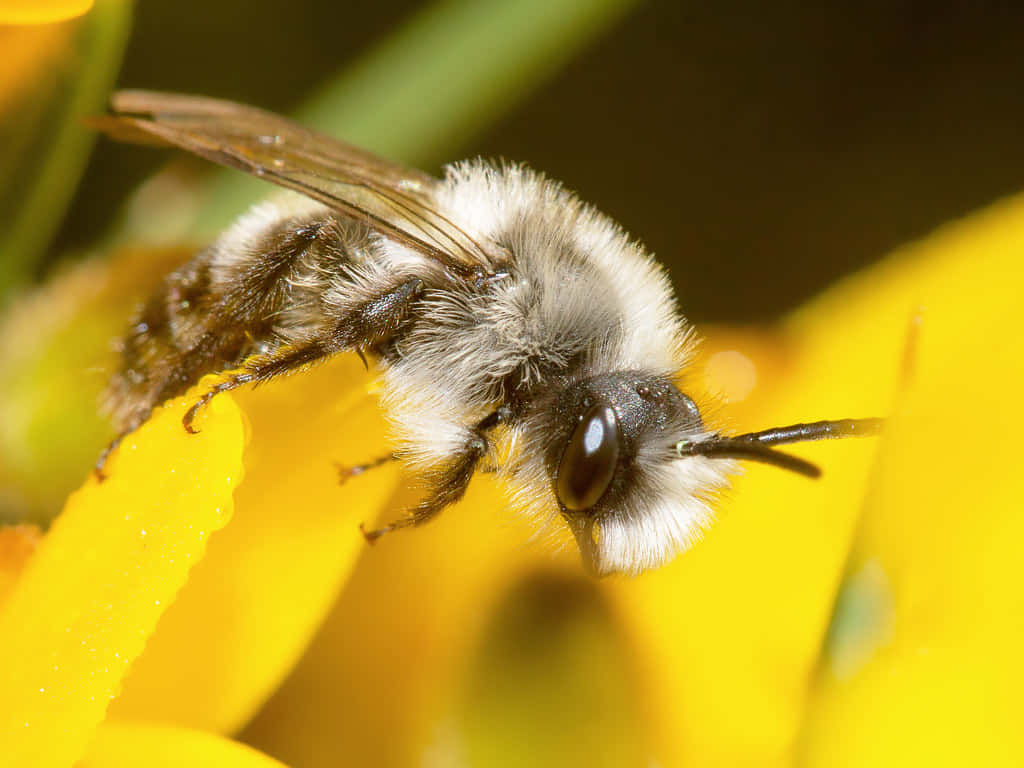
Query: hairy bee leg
[(263, 368), (453, 482), (367, 325), (101, 460), (449, 487), (347, 471)]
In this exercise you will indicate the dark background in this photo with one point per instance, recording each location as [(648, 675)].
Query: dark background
[(760, 149)]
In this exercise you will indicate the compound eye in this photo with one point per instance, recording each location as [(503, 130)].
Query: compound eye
[(589, 461)]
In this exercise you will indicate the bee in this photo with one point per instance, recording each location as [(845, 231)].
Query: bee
[(513, 327)]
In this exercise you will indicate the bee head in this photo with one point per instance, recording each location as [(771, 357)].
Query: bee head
[(610, 467), (626, 460)]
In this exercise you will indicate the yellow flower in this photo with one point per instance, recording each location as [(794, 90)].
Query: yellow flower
[(716, 654), (705, 662), (458, 644)]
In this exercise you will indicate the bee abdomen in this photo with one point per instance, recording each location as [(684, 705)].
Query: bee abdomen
[(257, 287)]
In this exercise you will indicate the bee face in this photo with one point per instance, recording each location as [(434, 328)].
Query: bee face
[(611, 469)]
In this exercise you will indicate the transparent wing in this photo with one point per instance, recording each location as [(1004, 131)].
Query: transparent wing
[(396, 201)]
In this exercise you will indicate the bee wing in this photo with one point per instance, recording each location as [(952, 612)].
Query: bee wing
[(396, 201)]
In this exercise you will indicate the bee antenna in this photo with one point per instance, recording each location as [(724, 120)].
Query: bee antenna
[(758, 446)]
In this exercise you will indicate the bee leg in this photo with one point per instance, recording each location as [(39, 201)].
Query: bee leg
[(366, 325), (262, 368), (346, 471), (451, 484), (101, 460), (449, 487)]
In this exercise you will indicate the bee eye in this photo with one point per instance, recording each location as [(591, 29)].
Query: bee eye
[(589, 461)]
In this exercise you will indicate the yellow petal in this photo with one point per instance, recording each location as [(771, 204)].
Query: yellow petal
[(923, 663), (252, 606), (381, 675), (730, 630), (159, 746), (41, 11), (89, 598), (733, 629)]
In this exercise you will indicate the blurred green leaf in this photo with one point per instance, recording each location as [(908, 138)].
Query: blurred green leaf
[(45, 144)]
